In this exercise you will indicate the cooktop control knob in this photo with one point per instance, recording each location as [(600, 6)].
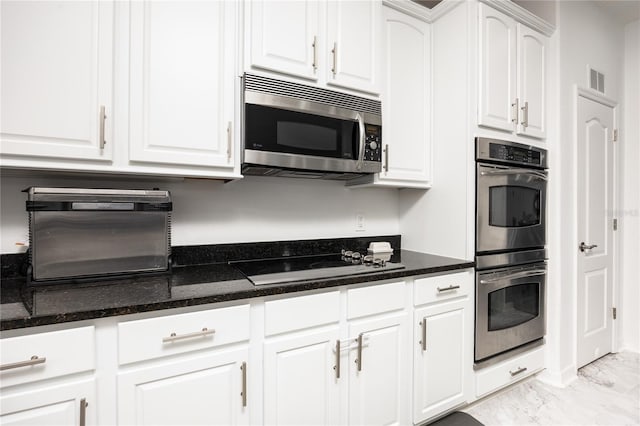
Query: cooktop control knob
[(347, 253), (368, 259)]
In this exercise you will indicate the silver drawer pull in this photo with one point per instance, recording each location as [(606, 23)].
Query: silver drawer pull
[(518, 371), (35, 360), (174, 337), (451, 287)]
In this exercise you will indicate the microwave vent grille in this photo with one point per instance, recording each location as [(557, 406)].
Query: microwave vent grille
[(272, 86)]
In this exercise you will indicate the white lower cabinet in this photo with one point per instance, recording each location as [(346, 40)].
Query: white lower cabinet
[(71, 403), (378, 373), (443, 344), (44, 383), (208, 389), (300, 379)]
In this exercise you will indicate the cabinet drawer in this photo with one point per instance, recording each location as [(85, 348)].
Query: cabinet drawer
[(58, 353), (302, 312), (375, 299), (157, 337), (442, 287), (497, 376)]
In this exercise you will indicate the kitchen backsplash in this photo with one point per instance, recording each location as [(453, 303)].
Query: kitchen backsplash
[(211, 212)]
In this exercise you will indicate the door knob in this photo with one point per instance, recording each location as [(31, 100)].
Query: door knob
[(584, 247)]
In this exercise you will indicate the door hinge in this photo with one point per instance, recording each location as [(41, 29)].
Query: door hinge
[(615, 224), (615, 135), (615, 313)]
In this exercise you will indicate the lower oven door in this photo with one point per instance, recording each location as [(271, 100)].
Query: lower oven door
[(510, 308), (510, 208)]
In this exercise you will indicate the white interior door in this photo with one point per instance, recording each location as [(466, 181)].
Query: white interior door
[(594, 247)]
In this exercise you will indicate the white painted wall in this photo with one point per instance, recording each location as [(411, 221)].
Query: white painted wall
[(630, 214), (210, 212), (585, 36)]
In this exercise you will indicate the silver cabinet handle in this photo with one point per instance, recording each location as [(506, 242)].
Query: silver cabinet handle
[(515, 110), (243, 394), (34, 360), (334, 68), (337, 366), (423, 342), (584, 247), (359, 359), (520, 370), (174, 337), (525, 115), (450, 288), (315, 54), (229, 142), (361, 141), (83, 411), (386, 158), (102, 117)]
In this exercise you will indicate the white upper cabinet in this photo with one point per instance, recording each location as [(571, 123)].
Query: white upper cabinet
[(57, 79), (353, 44), (512, 75), (181, 83), (497, 70), (532, 47), (406, 103), (333, 43), (284, 36)]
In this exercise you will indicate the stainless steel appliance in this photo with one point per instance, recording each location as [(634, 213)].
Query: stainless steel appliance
[(76, 233), (511, 188), (294, 130), (304, 268), (510, 308)]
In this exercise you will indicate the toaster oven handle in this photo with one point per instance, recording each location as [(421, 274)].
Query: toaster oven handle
[(362, 141), (102, 206), (497, 172), (520, 274)]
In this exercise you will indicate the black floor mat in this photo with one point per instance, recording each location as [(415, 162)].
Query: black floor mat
[(457, 418)]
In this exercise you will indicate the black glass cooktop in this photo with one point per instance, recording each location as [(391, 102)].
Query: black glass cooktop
[(290, 269)]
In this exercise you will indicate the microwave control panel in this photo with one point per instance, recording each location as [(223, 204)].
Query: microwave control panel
[(373, 143)]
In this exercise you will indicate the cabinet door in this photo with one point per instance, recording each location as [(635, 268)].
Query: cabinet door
[(203, 390), (353, 44), (300, 383), (378, 374), (181, 82), (56, 75), (405, 110), (497, 98), (284, 36), (440, 358), (532, 48), (52, 405)]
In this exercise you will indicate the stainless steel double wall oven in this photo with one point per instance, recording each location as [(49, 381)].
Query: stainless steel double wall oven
[(511, 193)]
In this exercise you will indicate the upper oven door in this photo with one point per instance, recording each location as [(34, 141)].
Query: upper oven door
[(511, 208)]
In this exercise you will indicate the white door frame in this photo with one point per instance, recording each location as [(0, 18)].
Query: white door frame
[(604, 100)]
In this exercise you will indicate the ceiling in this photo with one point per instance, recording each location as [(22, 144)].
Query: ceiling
[(623, 11)]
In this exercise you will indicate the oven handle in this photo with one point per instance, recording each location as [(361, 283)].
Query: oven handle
[(520, 274), (534, 173)]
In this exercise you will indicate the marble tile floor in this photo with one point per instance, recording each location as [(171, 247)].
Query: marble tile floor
[(607, 392)]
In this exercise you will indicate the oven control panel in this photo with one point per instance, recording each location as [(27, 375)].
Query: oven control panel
[(507, 152), (373, 143)]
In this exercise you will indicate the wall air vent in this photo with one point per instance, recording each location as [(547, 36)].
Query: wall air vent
[(596, 80)]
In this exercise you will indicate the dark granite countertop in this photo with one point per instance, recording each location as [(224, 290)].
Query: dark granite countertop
[(22, 306)]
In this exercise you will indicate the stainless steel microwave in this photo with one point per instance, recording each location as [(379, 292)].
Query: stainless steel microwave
[(295, 130)]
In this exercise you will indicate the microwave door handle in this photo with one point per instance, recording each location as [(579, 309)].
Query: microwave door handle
[(521, 274), (361, 142), (534, 173)]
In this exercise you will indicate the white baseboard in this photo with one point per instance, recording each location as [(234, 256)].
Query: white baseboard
[(559, 378)]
